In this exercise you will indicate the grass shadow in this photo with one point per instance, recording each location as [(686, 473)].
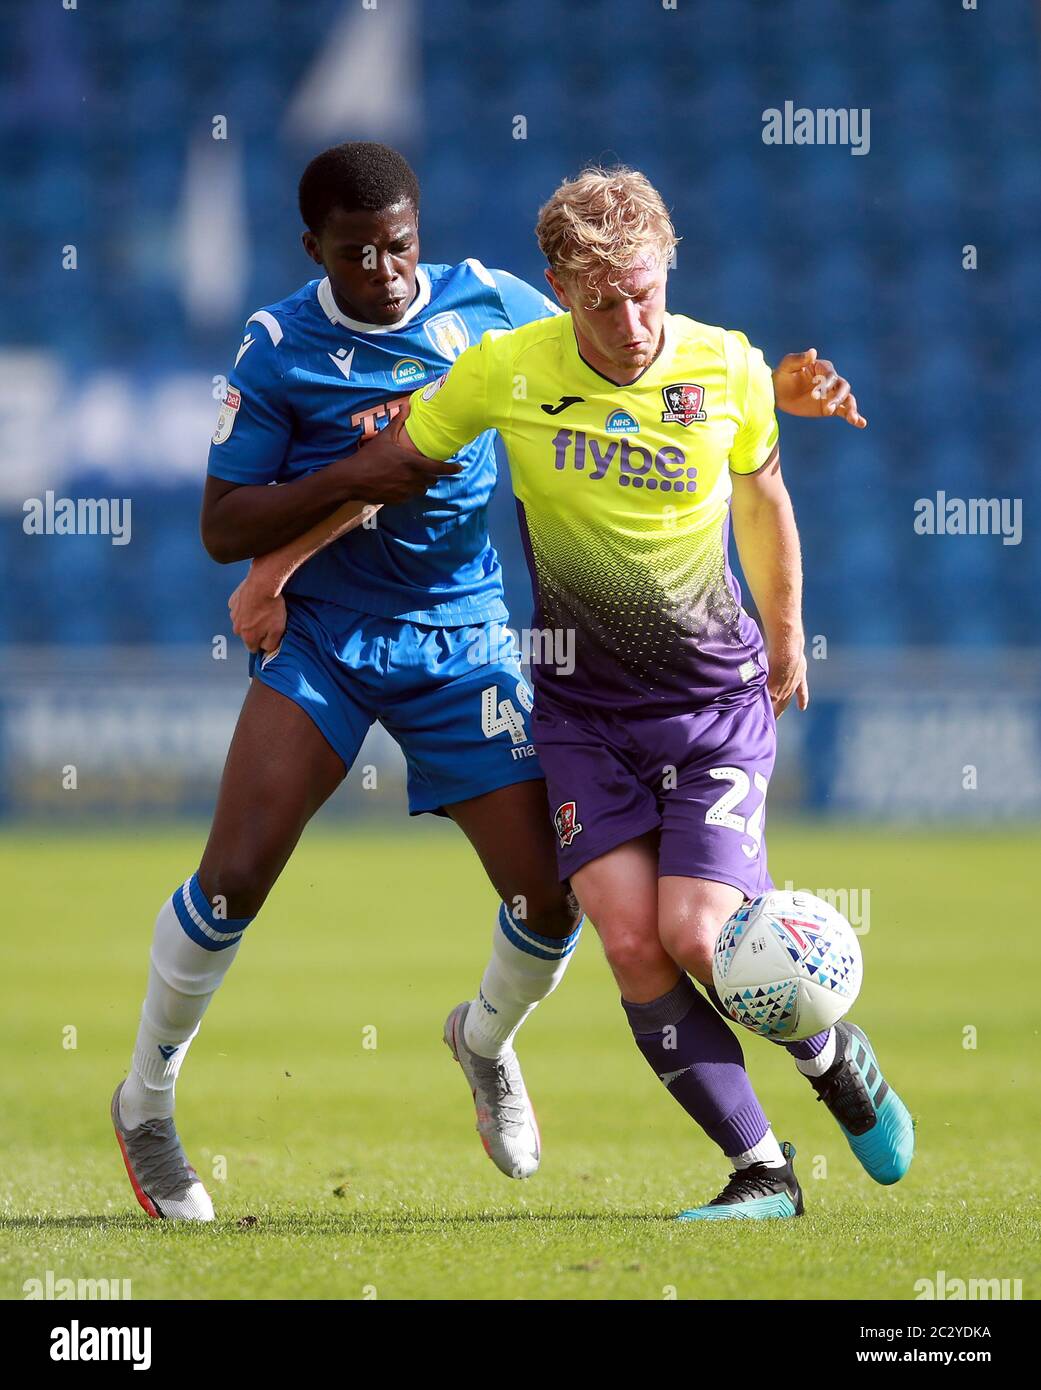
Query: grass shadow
[(321, 1223)]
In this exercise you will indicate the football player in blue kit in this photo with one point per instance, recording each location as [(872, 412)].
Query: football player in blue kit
[(382, 625)]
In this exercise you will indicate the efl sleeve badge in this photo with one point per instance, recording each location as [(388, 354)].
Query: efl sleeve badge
[(226, 419)]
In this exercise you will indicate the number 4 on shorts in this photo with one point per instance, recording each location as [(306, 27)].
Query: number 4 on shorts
[(503, 716)]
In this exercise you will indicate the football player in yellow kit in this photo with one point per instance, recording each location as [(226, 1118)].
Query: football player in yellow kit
[(633, 437)]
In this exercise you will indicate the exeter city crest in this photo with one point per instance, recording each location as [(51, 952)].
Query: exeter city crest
[(565, 819), (683, 403)]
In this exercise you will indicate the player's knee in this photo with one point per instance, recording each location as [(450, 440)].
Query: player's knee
[(691, 941), (699, 959), (634, 955)]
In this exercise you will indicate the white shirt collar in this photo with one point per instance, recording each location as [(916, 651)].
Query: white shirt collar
[(327, 300)]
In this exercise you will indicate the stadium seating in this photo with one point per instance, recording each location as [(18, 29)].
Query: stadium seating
[(861, 256)]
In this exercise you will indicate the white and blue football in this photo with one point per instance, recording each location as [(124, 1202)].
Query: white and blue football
[(787, 965)]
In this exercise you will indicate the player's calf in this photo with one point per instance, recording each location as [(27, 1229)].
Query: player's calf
[(539, 920), (524, 968), (193, 946), (699, 1060), (238, 881)]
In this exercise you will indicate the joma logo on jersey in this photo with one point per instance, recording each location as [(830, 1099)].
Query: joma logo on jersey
[(633, 465)]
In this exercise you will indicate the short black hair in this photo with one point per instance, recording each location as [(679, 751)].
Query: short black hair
[(357, 176)]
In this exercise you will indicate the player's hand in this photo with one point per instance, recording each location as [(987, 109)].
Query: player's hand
[(787, 676), (805, 384), (383, 470), (257, 617)]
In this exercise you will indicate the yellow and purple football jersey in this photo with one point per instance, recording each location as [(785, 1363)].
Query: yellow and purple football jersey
[(623, 494)]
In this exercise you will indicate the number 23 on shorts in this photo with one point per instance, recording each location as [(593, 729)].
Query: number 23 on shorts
[(722, 812)]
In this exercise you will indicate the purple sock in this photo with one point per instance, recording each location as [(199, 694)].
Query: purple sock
[(804, 1051), (809, 1048), (700, 1061)]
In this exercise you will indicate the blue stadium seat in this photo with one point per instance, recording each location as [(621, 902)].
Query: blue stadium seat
[(860, 255)]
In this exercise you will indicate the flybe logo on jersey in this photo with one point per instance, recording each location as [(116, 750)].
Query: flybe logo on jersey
[(630, 464), (408, 372)]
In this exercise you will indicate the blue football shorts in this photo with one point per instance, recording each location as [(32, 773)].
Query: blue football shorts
[(453, 698)]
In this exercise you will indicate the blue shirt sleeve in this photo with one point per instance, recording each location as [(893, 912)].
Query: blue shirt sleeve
[(521, 302), (255, 423)]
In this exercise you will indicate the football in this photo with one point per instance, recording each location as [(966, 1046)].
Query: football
[(787, 965)]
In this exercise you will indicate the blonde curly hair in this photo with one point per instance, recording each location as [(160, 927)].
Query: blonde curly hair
[(602, 221)]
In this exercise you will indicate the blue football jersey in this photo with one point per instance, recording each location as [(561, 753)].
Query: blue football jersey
[(309, 385)]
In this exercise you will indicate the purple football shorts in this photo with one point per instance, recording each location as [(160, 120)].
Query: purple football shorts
[(699, 779)]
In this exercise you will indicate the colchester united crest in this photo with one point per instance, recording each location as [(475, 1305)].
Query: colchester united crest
[(447, 334), (683, 403)]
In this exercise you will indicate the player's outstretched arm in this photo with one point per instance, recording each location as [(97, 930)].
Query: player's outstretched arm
[(242, 520), (387, 469), (258, 610), (768, 544), (448, 413), (807, 385)]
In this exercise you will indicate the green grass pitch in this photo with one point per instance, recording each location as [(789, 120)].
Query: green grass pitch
[(347, 1170)]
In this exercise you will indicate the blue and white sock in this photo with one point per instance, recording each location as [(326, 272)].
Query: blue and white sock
[(192, 948), (524, 968)]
